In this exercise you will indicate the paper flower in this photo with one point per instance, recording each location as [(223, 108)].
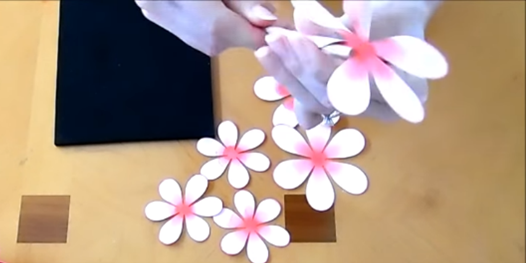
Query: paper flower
[(268, 89), (251, 226), (348, 88), (188, 209), (229, 151), (318, 163)]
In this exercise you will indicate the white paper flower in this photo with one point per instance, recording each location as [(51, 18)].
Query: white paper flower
[(318, 163), (229, 151), (348, 88), (251, 227), (188, 209)]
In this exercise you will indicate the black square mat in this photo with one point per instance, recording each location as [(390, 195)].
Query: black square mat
[(122, 78)]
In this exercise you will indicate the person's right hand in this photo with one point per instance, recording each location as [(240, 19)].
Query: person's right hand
[(212, 26)]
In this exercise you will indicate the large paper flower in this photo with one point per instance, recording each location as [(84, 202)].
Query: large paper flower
[(290, 174), (251, 227), (229, 151), (188, 209), (268, 89), (348, 88)]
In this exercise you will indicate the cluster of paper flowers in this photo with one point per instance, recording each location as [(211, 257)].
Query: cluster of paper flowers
[(317, 162)]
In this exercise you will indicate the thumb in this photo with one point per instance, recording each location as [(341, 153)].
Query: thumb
[(259, 13)]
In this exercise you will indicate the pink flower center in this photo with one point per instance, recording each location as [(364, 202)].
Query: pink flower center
[(184, 209), (231, 153), (251, 225), (282, 91), (318, 158), (362, 48)]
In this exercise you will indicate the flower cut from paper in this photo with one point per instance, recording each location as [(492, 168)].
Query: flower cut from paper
[(230, 151), (188, 209), (251, 227), (318, 163), (348, 88), (268, 89)]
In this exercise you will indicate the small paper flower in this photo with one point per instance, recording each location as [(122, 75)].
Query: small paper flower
[(229, 151), (251, 228), (348, 88), (318, 163), (188, 210), (268, 89)]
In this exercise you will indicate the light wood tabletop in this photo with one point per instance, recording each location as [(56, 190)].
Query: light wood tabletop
[(449, 190)]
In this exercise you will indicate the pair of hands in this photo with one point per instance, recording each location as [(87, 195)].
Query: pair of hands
[(293, 60)]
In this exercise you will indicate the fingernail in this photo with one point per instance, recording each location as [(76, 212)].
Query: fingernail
[(272, 38), (263, 13), (261, 52)]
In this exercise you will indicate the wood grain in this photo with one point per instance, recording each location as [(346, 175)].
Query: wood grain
[(448, 191), (306, 225), (43, 219)]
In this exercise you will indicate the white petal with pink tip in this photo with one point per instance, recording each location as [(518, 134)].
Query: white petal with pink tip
[(170, 191), (267, 89), (284, 116), (228, 133), (320, 193), (348, 88), (345, 144), (288, 139), (267, 210), (159, 210), (238, 176), (413, 55), (275, 235), (171, 231), (228, 219), (257, 251), (210, 147), (251, 139), (255, 161), (349, 177), (290, 174), (208, 207), (398, 94)]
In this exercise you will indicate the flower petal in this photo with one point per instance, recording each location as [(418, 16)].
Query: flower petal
[(238, 175), (234, 242), (214, 168), (349, 177), (320, 193), (228, 219), (257, 250), (195, 188), (210, 147), (398, 94), (284, 116), (319, 41), (318, 14), (255, 161), (245, 203), (170, 191), (268, 210), (290, 174), (227, 132), (197, 228), (290, 140), (360, 13), (338, 50), (171, 231), (318, 137), (268, 89), (208, 206), (413, 55), (345, 144), (250, 140), (159, 210), (275, 235), (348, 88)]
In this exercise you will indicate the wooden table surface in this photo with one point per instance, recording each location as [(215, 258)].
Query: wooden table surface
[(449, 190)]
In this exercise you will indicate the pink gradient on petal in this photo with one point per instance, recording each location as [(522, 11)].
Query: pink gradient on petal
[(230, 153), (183, 209), (288, 103), (282, 90)]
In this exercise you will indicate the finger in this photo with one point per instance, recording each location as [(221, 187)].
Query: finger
[(244, 35), (273, 64), (307, 119), (310, 66), (306, 26), (259, 13)]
